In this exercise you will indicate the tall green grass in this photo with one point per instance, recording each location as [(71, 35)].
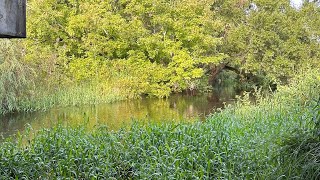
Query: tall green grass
[(28, 86), (259, 130), (76, 95), (71, 96), (301, 150), (244, 141)]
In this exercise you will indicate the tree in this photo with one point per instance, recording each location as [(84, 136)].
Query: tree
[(158, 47), (266, 37), (174, 37), (16, 76)]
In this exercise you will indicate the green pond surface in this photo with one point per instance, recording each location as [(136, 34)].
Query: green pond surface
[(119, 114)]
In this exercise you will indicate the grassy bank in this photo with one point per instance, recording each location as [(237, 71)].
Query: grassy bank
[(63, 97), (26, 86), (244, 141), (71, 96)]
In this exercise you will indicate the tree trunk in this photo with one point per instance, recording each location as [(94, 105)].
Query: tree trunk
[(216, 69)]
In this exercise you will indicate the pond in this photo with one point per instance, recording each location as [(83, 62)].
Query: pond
[(120, 114)]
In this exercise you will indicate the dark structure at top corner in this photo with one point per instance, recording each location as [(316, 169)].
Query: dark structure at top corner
[(12, 18)]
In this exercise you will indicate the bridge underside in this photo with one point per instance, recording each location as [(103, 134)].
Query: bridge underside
[(12, 18)]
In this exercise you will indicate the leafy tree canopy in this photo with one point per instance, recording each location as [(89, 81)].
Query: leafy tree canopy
[(156, 47)]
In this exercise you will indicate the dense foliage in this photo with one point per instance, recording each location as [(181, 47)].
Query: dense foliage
[(156, 47), (269, 37), (150, 47), (97, 51), (241, 142), (130, 48)]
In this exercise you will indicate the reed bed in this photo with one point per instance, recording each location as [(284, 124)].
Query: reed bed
[(76, 95), (72, 96)]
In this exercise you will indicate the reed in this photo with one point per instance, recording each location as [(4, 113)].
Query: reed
[(74, 95)]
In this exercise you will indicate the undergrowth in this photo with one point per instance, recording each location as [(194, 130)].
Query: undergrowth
[(301, 150)]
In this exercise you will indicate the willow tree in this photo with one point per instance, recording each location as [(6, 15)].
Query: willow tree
[(16, 77)]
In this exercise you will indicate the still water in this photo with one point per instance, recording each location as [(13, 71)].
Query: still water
[(119, 114)]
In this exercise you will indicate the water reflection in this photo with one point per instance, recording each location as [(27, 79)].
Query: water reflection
[(119, 114)]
